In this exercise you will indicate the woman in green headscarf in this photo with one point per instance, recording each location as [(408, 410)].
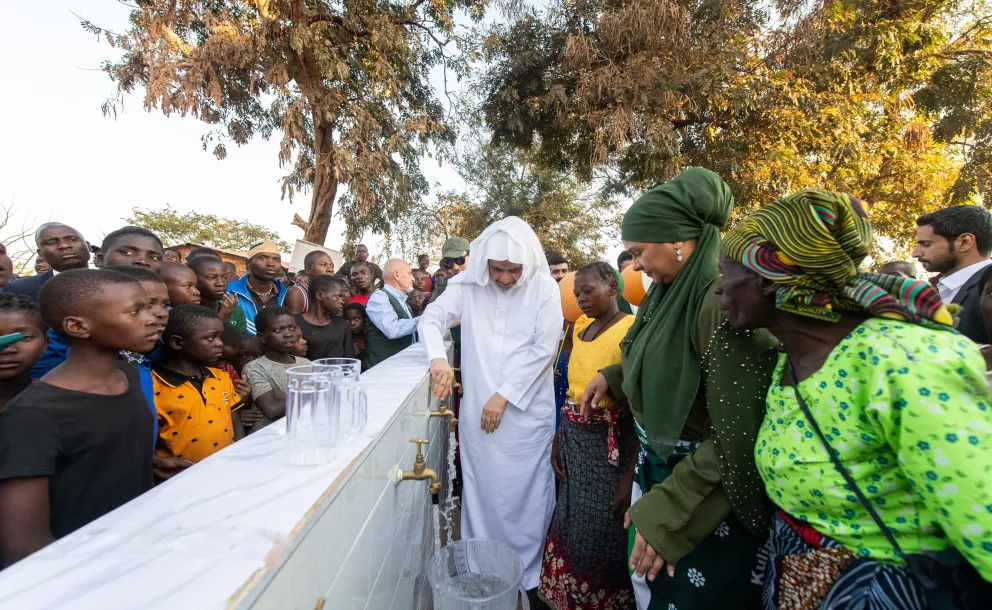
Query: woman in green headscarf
[(696, 388)]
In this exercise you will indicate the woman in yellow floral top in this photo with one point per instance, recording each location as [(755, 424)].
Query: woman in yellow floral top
[(897, 394), (586, 551)]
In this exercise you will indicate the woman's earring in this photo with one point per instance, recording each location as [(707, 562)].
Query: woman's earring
[(678, 252)]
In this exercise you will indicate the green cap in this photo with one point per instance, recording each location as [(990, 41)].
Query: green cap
[(454, 247)]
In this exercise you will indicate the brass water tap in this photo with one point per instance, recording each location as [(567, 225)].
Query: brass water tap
[(443, 411), (421, 472)]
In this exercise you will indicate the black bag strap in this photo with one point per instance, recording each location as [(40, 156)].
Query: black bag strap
[(840, 467)]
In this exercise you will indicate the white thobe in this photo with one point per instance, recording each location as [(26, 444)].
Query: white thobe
[(509, 341)]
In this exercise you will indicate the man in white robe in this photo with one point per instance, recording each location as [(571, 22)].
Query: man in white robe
[(510, 311)]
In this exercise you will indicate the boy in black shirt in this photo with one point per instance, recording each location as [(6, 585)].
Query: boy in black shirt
[(78, 443), (327, 334)]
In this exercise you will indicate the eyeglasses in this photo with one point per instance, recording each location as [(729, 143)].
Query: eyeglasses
[(449, 263)]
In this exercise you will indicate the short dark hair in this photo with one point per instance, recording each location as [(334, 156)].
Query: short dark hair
[(197, 264), (358, 264), (951, 223), (202, 251), (184, 320), (420, 256), (114, 236), (600, 270), (557, 259), (312, 257), (623, 258), (903, 266), (356, 306), (73, 292), (22, 303), (231, 336), (173, 250), (264, 318), (323, 283), (142, 274)]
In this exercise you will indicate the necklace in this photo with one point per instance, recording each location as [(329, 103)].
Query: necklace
[(603, 328), (261, 294)]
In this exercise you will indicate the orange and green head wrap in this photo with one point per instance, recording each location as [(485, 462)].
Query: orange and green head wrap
[(811, 244)]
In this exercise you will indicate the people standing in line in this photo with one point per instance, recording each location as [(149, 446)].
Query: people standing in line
[(902, 269), (327, 333), (361, 279), (390, 325), (696, 388), (19, 314), (955, 242), (267, 375), (212, 285), (181, 282), (559, 267), (63, 248), (171, 255), (593, 456), (259, 289), (197, 403), (354, 314), (78, 443), (511, 312), (874, 445), (133, 246), (315, 263), (362, 256)]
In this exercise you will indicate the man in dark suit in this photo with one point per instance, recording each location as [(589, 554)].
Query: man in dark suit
[(955, 242), (62, 247)]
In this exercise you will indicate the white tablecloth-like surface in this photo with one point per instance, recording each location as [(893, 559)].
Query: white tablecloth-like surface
[(193, 541)]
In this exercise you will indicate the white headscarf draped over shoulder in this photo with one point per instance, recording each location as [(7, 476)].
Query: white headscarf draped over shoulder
[(510, 239)]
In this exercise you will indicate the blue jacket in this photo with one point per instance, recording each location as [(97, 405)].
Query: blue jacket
[(31, 285), (240, 288)]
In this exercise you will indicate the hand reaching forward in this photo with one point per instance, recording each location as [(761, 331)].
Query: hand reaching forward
[(594, 393), (442, 378)]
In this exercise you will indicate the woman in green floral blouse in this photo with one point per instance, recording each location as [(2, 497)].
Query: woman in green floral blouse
[(899, 396)]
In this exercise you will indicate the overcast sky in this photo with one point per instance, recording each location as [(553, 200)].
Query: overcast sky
[(60, 159)]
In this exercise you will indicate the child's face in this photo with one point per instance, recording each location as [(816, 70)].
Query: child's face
[(211, 282), (120, 318), (182, 287), (232, 272), (281, 335), (203, 345), (418, 279), (18, 359), (138, 250), (158, 303), (333, 301), (356, 320), (300, 349), (250, 351), (416, 301)]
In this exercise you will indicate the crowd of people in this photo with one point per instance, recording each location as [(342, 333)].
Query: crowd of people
[(772, 426)]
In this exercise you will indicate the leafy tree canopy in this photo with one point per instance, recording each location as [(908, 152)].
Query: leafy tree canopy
[(205, 229), (569, 219), (345, 84), (890, 101)]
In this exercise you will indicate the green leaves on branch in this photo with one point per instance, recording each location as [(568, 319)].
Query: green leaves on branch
[(204, 229)]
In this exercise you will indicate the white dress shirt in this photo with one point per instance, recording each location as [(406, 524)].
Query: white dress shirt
[(381, 313), (950, 286)]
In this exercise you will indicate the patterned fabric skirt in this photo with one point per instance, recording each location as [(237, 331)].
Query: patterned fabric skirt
[(725, 570), (585, 556), (809, 571)]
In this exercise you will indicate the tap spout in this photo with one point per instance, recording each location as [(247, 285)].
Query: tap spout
[(421, 472), (444, 411)]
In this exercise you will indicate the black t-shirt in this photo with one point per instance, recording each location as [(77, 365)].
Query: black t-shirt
[(330, 341), (96, 450)]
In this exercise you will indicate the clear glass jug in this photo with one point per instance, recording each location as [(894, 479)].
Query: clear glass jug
[(310, 414), (476, 574), (350, 401)]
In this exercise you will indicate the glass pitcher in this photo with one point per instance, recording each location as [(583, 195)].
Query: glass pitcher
[(311, 416), (350, 400)]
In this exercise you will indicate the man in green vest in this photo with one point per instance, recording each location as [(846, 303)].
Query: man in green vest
[(390, 327)]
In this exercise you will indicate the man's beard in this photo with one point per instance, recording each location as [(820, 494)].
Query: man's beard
[(506, 288), (941, 265)]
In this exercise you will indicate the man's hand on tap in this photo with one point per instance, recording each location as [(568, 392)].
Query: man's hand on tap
[(442, 378)]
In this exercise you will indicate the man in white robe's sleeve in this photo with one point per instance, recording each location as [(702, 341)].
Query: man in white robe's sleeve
[(510, 311)]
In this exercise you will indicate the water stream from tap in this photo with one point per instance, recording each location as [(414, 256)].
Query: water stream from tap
[(436, 515), (449, 501)]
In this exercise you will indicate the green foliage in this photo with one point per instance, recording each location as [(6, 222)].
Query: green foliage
[(502, 182), (205, 229), (889, 101), (345, 84)]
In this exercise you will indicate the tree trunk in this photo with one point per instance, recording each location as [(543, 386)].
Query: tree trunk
[(325, 185)]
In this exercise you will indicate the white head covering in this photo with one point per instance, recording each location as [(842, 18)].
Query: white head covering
[(510, 239)]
